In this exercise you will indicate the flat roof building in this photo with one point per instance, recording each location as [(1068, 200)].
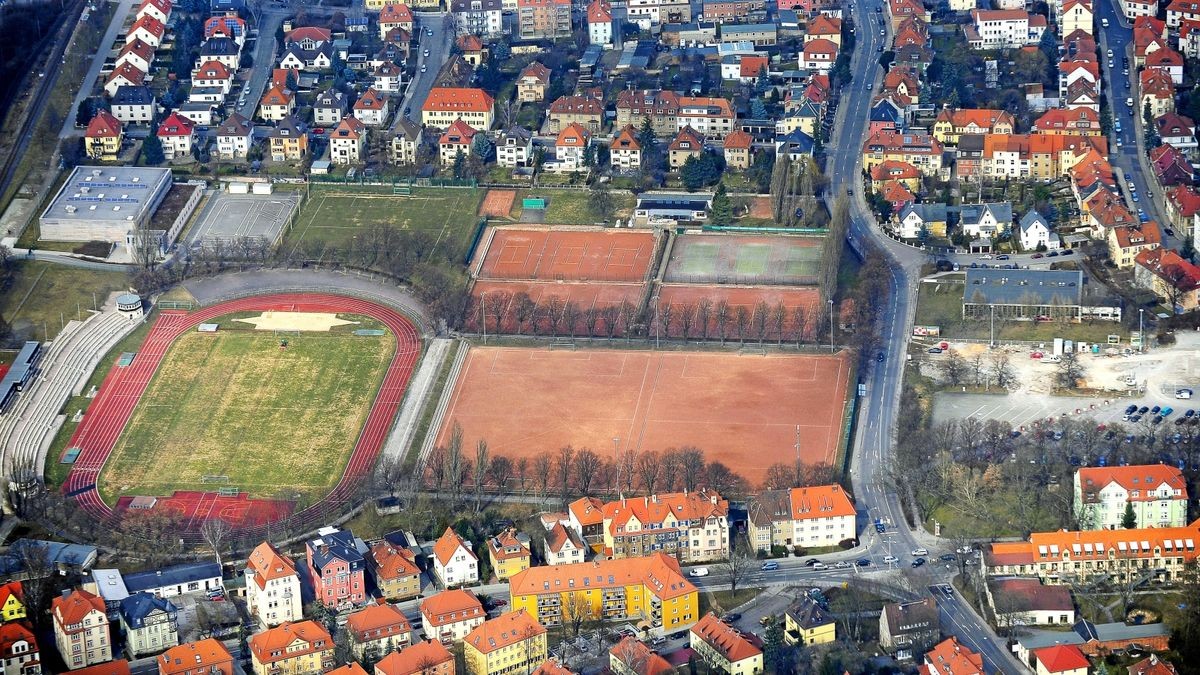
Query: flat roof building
[(104, 203), (1033, 295)]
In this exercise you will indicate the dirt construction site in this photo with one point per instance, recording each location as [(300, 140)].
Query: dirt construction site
[(1112, 379)]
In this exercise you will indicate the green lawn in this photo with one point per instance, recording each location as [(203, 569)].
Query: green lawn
[(570, 207), (940, 304), (235, 404), (44, 295), (335, 217)]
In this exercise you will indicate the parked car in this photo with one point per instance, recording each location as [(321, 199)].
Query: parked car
[(920, 551), (889, 559), (769, 566), (934, 350), (810, 562), (863, 562), (698, 572), (918, 562)]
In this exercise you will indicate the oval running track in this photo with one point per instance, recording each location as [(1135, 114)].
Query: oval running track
[(123, 387)]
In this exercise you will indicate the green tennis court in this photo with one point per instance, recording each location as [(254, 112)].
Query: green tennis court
[(745, 259)]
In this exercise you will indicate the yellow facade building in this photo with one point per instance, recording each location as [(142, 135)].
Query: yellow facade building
[(302, 648), (806, 623), (650, 588), (510, 643), (508, 554), (12, 602)]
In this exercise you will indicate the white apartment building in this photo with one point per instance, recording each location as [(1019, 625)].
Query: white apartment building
[(1157, 492), (272, 587), (814, 516)]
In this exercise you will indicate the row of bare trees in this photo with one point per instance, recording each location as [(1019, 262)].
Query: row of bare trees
[(503, 312)]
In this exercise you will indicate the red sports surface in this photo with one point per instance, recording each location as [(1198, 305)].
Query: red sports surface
[(123, 387), (805, 297), (742, 410), (567, 255)]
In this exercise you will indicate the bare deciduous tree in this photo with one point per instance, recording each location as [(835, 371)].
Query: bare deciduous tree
[(587, 467), (562, 471), (649, 470), (481, 466), (216, 533), (739, 564)]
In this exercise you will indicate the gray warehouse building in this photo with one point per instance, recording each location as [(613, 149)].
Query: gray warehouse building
[(104, 203)]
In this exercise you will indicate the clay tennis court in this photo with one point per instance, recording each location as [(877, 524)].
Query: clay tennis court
[(567, 255), (497, 203), (745, 259), (745, 296), (501, 294), (742, 410)]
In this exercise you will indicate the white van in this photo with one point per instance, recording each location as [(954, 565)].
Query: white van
[(698, 572)]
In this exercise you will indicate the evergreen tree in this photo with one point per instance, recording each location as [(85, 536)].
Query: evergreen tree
[(460, 164), (1188, 250), (1128, 519), (722, 207), (482, 146), (778, 656), (152, 150)]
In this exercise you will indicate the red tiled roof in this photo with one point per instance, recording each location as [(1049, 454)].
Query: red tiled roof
[(1091, 480), (202, 654), (414, 659), (725, 639), (103, 125), (458, 99), (738, 140), (599, 11), (74, 607), (449, 542), (1061, 658), (277, 640), (504, 631), (451, 607)]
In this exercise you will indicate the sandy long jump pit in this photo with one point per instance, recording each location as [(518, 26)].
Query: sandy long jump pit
[(742, 410)]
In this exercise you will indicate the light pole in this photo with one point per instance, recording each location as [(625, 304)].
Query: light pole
[(617, 461), (656, 322), (1141, 330), (992, 342), (483, 314), (830, 326)]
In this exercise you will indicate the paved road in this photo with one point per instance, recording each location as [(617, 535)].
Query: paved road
[(120, 13), (438, 45), (1118, 37), (264, 59)]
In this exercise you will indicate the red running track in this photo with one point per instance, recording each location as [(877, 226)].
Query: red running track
[(123, 387)]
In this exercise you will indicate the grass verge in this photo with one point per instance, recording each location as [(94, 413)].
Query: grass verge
[(45, 295)]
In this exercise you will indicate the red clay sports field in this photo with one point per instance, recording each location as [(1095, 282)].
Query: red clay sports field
[(123, 387)]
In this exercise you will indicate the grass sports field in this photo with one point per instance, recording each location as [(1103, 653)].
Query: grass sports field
[(334, 218), (234, 404), (745, 259)]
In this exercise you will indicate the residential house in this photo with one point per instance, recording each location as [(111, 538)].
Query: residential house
[(234, 137), (885, 116), (133, 104), (1026, 602), (738, 150), (921, 221), (395, 15), (455, 143), (563, 546), (1004, 29), (147, 29), (181, 579), (757, 34), (953, 123), (103, 139), (1170, 166), (138, 54), (479, 17), (621, 589), (899, 10), (712, 117), (631, 656), (336, 568), (81, 630), (1060, 121), (625, 151), (744, 68), (272, 585), (472, 50), (221, 49), (822, 27), (909, 629), (203, 657), (1156, 90), (176, 133), (1060, 660), (444, 105), (806, 623), (1183, 203), (508, 551), (600, 23), (372, 108), (586, 111), (1179, 11), (660, 107), (902, 86), (571, 147), (1157, 493), (19, 653), (1065, 557), (543, 19), (329, 108), (686, 144), (450, 616), (921, 150), (395, 568), (388, 78), (454, 564), (723, 646), (348, 141), (229, 25), (1177, 131), (1076, 15), (949, 657), (1174, 278), (815, 516), (429, 657), (288, 141), (512, 641), (150, 624), (159, 9), (1168, 61), (693, 526), (985, 220), (378, 629), (1035, 233), (586, 518), (1126, 241), (301, 648), (214, 75), (12, 601), (276, 104), (1189, 38), (895, 172), (532, 82), (818, 55), (515, 148), (1133, 9), (898, 196), (1152, 665), (124, 75)]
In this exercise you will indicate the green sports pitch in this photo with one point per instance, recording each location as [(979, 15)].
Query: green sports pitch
[(237, 409), (745, 259)]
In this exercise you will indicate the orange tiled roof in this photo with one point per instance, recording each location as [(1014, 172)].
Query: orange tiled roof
[(277, 95), (447, 544), (949, 656), (678, 506), (140, 48), (115, 667), (1061, 658), (1175, 271), (506, 546), (824, 25), (636, 656), (820, 46), (559, 535), (1143, 478), (1098, 545), (1152, 665), (308, 33), (536, 71), (587, 510), (395, 13), (820, 501), (150, 25), (212, 70), (659, 573), (458, 99), (128, 71), (891, 169), (687, 139), (738, 140), (896, 192), (391, 562), (371, 100), (351, 668), (376, 621), (350, 127), (572, 136), (201, 654), (553, 667), (451, 607), (1157, 83), (71, 609), (626, 140), (725, 639), (277, 640), (414, 659), (503, 631), (1144, 234), (103, 125), (599, 11)]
